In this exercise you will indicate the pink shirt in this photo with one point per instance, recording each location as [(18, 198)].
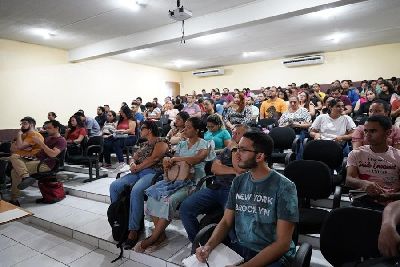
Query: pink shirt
[(393, 139), (382, 168)]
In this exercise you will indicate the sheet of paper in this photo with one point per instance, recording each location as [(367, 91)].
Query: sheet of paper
[(13, 214), (220, 256)]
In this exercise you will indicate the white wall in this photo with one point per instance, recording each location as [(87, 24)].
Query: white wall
[(36, 79), (355, 64)]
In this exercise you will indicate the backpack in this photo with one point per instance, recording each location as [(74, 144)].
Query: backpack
[(52, 192), (118, 217)]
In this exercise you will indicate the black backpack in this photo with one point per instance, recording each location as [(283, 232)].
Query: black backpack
[(118, 217)]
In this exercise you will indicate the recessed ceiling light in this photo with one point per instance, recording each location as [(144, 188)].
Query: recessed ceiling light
[(252, 54), (211, 38), (179, 63), (336, 37), (45, 33), (134, 5)]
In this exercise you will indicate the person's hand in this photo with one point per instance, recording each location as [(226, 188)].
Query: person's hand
[(202, 253), (338, 139), (372, 188), (388, 240), (296, 125), (317, 136), (167, 163)]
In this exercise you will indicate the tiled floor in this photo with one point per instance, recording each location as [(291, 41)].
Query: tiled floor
[(75, 232), (22, 244)]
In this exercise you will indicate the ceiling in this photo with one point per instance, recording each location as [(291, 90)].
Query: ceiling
[(227, 29)]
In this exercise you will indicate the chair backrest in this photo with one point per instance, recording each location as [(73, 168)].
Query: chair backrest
[(94, 145), (327, 151), (283, 137), (5, 147), (312, 178), (349, 234)]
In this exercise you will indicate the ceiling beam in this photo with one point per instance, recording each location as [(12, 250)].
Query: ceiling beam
[(258, 12)]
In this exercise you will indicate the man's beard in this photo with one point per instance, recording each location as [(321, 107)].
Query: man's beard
[(24, 130), (248, 164)]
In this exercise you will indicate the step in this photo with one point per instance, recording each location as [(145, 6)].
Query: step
[(86, 220), (84, 169)]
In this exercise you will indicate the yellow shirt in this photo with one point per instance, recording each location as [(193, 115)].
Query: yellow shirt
[(270, 107), (34, 148)]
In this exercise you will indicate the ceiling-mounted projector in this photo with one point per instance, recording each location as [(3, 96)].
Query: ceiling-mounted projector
[(180, 14)]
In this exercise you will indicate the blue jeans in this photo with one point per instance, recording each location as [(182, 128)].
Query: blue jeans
[(117, 145), (201, 202), (140, 181)]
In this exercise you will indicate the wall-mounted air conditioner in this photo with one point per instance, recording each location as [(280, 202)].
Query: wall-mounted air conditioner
[(211, 72), (303, 61)]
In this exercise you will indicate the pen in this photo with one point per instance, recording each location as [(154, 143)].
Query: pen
[(202, 250)]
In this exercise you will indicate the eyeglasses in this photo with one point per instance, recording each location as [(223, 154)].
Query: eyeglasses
[(241, 150)]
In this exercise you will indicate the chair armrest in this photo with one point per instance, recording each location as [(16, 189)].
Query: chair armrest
[(202, 236), (302, 257), (288, 157), (337, 197), (91, 147), (202, 180)]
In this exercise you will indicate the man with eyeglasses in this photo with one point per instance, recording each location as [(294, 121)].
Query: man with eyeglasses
[(261, 209), (214, 196)]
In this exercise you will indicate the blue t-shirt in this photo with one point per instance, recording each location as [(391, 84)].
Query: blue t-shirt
[(219, 137), (92, 126), (258, 204), (139, 117)]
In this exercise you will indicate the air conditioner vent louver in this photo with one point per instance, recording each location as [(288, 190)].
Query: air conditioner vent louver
[(303, 61), (211, 72)]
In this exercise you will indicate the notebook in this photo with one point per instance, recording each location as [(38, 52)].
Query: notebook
[(220, 256)]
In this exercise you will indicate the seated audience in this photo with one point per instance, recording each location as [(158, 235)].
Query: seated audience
[(152, 112), (176, 134), (375, 168), (51, 116), (272, 107), (389, 238), (316, 101), (395, 112), (53, 145), (144, 166), (140, 101), (161, 207), (237, 112), (352, 93), (101, 117), (386, 91), (91, 125), (76, 131), (170, 111), (125, 136), (318, 93), (178, 104), (135, 107), (261, 209), (363, 104), (217, 132), (210, 109), (305, 102), (155, 102), (225, 169), (296, 117), (191, 107), (260, 99), (226, 96), (24, 145), (110, 126), (255, 112), (334, 125), (335, 92), (378, 107), (283, 95)]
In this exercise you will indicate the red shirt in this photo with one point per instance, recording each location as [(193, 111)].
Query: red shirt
[(123, 125), (76, 133)]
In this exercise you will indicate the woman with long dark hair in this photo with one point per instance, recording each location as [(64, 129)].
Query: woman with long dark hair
[(76, 131), (238, 112), (125, 135)]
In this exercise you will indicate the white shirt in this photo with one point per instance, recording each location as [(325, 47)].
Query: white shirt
[(331, 128)]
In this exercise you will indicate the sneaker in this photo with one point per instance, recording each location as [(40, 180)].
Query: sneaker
[(26, 182)]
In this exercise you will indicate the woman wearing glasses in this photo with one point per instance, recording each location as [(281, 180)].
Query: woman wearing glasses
[(147, 161)]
